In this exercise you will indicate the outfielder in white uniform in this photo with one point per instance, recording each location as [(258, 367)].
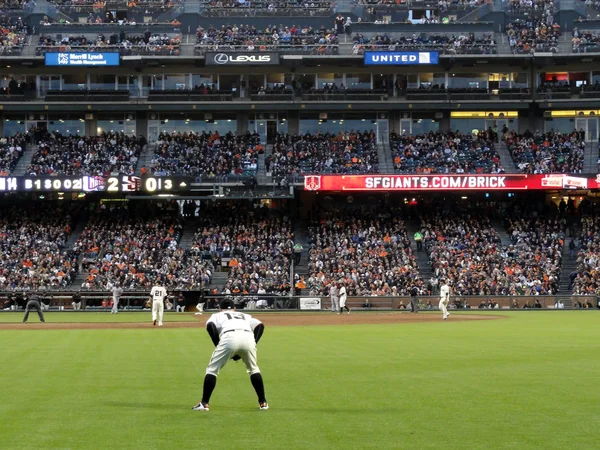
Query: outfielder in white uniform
[(235, 336), (116, 293), (343, 296), (159, 295), (335, 299), (444, 299)]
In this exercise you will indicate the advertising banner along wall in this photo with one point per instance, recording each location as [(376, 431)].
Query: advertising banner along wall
[(400, 58), (83, 59), (310, 303), (239, 58), (450, 182)]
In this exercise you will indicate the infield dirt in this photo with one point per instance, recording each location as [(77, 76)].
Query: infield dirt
[(269, 319)]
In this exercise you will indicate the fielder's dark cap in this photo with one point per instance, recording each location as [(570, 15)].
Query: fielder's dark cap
[(226, 303)]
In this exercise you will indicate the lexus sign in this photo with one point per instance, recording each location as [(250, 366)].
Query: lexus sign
[(239, 58)]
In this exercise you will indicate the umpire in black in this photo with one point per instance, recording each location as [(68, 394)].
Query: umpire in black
[(414, 301), (34, 303)]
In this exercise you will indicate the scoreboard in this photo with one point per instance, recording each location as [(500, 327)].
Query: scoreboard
[(85, 183)]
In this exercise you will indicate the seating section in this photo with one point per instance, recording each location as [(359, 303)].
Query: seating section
[(533, 35), (451, 44), (135, 250), (32, 247), (586, 41), (106, 154), (11, 150), (547, 153), (207, 154), (305, 40), (465, 249), (126, 44), (13, 33), (233, 8), (255, 244), (445, 153), (365, 247), (585, 279), (354, 152)]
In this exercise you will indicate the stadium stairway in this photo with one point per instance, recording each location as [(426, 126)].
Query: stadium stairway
[(504, 237), (187, 238), (425, 271), (21, 168), (386, 164), (301, 236), (218, 280), (145, 158), (567, 266), (505, 159), (261, 175), (591, 157)]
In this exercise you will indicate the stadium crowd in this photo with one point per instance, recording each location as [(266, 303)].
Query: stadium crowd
[(586, 278), (452, 152), (533, 35), (208, 154), (11, 150), (255, 244), (120, 247), (547, 153), (106, 154), (32, 247), (465, 249), (148, 43), (449, 44), (248, 38), (345, 152), (13, 33), (584, 40), (366, 248)]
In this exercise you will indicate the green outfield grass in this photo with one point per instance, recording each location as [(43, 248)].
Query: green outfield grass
[(529, 381)]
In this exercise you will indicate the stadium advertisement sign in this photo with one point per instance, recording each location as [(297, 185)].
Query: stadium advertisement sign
[(241, 59), (400, 58), (450, 182), (83, 59)]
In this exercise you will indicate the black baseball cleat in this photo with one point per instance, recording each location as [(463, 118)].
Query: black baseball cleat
[(154, 323)]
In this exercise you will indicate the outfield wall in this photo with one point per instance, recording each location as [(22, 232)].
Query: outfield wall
[(136, 300)]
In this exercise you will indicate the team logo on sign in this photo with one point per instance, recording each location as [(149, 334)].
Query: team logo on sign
[(312, 182)]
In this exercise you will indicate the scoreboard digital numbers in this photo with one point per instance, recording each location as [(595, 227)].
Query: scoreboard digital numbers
[(116, 184)]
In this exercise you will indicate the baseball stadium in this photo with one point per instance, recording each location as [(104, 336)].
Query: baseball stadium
[(239, 224)]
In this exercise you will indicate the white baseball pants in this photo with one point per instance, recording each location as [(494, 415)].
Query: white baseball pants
[(234, 342), (442, 305), (158, 308), (335, 304)]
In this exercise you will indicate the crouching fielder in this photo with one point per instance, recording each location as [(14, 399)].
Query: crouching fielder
[(444, 299), (235, 336), (159, 295)]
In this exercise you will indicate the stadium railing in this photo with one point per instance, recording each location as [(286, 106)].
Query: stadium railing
[(135, 300)]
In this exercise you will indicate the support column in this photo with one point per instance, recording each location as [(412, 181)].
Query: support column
[(445, 124), (293, 122), (141, 124), (91, 126), (242, 122)]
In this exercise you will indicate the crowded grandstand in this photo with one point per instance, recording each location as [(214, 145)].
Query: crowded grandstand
[(281, 148)]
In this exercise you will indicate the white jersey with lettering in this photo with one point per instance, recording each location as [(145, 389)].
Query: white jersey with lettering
[(445, 292), (158, 294), (233, 320)]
